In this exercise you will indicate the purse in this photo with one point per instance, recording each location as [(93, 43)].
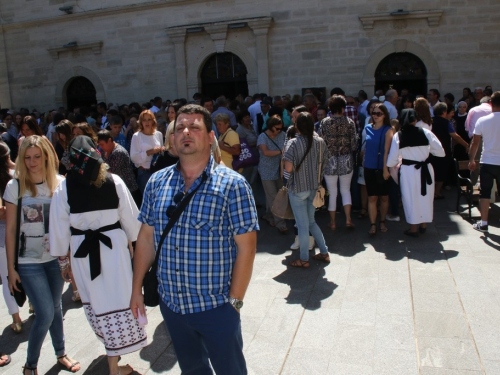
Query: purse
[(281, 204), (319, 198), (20, 296), (150, 281), (248, 157)]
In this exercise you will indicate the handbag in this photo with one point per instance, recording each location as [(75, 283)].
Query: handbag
[(248, 157), (20, 296), (319, 198), (150, 281), (281, 204)]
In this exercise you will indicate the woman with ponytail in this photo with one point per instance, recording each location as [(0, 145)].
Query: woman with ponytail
[(302, 161)]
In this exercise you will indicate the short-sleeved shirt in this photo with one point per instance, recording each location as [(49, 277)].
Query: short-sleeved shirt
[(119, 164), (34, 224), (197, 258), (269, 166), (230, 138), (121, 140), (375, 143), (488, 127)]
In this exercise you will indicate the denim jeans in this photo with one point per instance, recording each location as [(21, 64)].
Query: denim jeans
[(303, 210), (143, 176), (44, 285)]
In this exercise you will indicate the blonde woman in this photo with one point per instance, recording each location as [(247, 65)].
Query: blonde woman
[(39, 272), (146, 143)]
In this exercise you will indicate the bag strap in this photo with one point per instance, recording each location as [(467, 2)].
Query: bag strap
[(380, 146), (18, 224), (320, 162), (175, 216), (278, 147)]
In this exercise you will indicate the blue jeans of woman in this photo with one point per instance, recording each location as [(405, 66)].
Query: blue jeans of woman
[(303, 210), (44, 285), (143, 176)]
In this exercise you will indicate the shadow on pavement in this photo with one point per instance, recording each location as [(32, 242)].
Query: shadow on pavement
[(160, 351)]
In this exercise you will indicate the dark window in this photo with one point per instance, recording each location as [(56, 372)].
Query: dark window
[(402, 71), (80, 93), (224, 74)]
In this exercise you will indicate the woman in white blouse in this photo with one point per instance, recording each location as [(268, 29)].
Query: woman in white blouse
[(146, 144)]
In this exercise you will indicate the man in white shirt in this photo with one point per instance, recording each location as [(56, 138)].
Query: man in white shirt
[(254, 109), (487, 129), (484, 109), (156, 104), (433, 97), (363, 99), (391, 98)]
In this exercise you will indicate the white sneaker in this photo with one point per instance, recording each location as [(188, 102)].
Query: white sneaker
[(392, 218), (311, 243), (295, 245)]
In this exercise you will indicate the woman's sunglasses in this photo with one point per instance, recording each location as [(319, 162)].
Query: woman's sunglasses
[(377, 113)]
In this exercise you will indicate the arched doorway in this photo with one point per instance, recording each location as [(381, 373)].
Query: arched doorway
[(80, 93), (224, 74), (402, 70)]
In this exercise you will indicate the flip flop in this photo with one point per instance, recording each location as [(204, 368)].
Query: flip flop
[(299, 263), (72, 364), (7, 360), (322, 257)]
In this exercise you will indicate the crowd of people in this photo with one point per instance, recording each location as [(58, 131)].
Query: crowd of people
[(89, 171)]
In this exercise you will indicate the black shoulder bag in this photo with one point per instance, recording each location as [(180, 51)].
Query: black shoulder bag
[(20, 296), (150, 282)]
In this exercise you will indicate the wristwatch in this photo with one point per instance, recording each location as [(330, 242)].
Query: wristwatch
[(237, 304)]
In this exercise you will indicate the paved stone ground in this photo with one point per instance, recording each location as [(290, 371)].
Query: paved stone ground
[(385, 305)]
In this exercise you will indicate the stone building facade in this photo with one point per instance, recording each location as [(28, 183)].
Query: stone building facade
[(133, 50)]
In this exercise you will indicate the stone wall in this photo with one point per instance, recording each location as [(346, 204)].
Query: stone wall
[(314, 43)]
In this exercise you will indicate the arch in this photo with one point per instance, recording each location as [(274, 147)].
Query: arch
[(195, 67), (224, 73), (66, 78), (401, 45)]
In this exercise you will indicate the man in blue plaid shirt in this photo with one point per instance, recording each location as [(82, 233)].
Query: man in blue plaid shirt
[(206, 261)]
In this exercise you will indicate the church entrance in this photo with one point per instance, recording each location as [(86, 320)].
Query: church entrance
[(224, 74), (80, 92), (402, 70)]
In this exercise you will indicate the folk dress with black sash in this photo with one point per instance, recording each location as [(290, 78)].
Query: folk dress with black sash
[(416, 178), (96, 224)]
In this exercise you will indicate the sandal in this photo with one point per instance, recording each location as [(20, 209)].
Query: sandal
[(72, 364), (6, 361), (349, 225), (383, 230), (332, 226), (299, 263), (373, 229), (422, 230), (283, 230), (126, 367), (33, 370), (17, 327), (363, 214), (76, 296), (269, 221), (322, 257), (31, 308)]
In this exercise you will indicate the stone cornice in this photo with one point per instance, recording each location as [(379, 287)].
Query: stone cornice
[(61, 18), (95, 47), (433, 17), (238, 22)]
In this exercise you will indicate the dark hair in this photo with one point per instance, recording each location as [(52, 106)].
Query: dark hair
[(436, 92), (440, 108), (86, 130), (336, 103), (300, 108), (204, 100), (423, 111), (65, 127), (242, 115), (32, 124), (5, 176), (273, 121), (57, 118), (450, 96), (104, 135), (495, 99), (111, 112), (337, 91), (362, 95), (116, 120), (450, 108), (468, 90), (387, 118), (305, 125), (195, 109)]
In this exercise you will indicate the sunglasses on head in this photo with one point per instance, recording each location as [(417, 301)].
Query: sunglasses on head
[(278, 129), (177, 199), (377, 113)]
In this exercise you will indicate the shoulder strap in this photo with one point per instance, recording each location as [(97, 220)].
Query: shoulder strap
[(18, 224), (320, 162), (278, 147), (382, 133), (175, 216)]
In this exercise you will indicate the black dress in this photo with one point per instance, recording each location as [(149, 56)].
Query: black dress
[(459, 152)]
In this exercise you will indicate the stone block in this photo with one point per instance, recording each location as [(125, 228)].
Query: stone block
[(434, 324), (353, 345), (395, 362), (395, 332), (450, 353)]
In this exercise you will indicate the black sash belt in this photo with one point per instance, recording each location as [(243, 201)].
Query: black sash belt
[(425, 175), (91, 247)]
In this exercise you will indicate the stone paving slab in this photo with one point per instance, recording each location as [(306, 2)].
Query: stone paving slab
[(386, 304)]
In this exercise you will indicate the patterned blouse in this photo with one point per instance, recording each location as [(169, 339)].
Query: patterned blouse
[(339, 133)]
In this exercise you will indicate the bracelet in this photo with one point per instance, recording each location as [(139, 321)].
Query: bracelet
[(63, 263)]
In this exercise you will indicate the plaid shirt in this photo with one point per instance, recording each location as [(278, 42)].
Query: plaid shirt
[(352, 113), (197, 258)]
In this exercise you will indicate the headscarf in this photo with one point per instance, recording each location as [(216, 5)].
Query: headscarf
[(85, 160), (407, 116), (458, 113)]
